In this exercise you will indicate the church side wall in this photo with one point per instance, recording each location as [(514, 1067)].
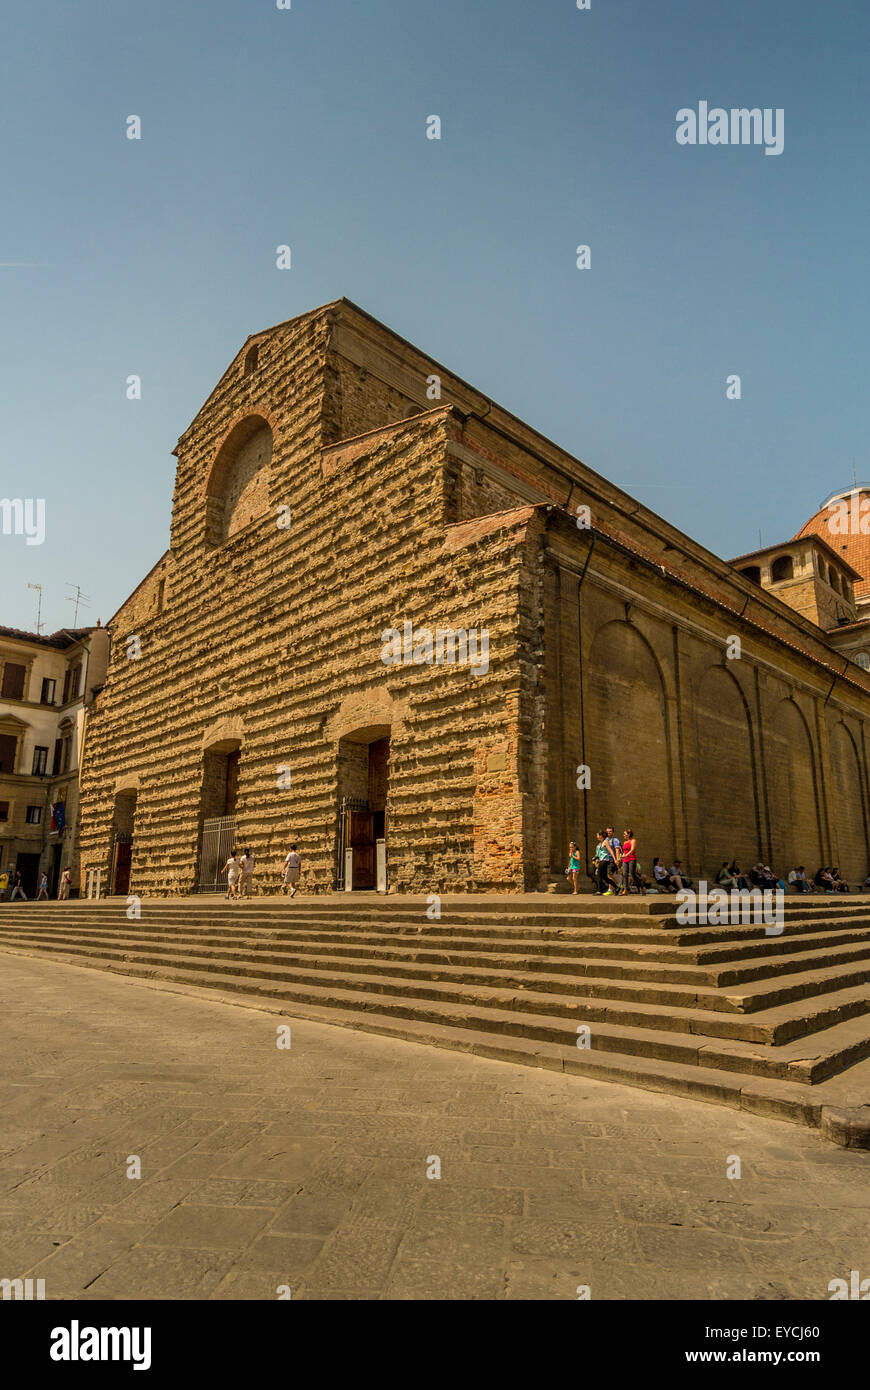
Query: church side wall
[(762, 756)]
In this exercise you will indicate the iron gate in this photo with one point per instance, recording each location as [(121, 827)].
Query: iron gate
[(348, 804), (218, 842)]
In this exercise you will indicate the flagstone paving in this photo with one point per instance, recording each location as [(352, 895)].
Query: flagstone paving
[(312, 1169)]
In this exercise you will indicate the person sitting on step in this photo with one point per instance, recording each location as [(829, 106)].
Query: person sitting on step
[(679, 878), (662, 877)]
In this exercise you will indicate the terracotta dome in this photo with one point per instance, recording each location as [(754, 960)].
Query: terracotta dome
[(852, 546)]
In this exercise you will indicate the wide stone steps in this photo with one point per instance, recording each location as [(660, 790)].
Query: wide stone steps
[(799, 1063), (628, 938), (819, 974), (747, 956), (773, 1027), (726, 1013)]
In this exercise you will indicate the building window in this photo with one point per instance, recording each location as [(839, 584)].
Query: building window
[(65, 755), (782, 568), (13, 681), (161, 595), (834, 580), (40, 761), (8, 747), (252, 360), (862, 659), (4, 810), (33, 815), (71, 683), (58, 754), (48, 689), (752, 572)]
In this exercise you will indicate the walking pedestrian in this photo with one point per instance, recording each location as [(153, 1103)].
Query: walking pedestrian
[(43, 888), (292, 870), (604, 859), (18, 890), (246, 881), (233, 870), (65, 885), (615, 844)]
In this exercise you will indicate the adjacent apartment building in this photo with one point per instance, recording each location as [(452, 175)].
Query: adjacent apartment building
[(46, 687)]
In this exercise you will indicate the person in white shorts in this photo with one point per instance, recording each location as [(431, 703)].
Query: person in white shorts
[(292, 870), (233, 870)]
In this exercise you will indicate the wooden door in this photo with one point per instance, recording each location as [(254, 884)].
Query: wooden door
[(123, 862), (361, 840)]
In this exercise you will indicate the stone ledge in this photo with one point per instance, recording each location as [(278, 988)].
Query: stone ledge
[(848, 1128)]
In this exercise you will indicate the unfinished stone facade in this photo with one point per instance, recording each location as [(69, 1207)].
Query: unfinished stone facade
[(337, 487)]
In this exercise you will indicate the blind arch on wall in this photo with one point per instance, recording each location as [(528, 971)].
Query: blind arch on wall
[(727, 791), (627, 734), (238, 485)]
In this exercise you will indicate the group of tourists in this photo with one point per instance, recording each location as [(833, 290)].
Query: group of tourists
[(615, 872), (614, 867), (239, 870), (825, 880), (42, 894)]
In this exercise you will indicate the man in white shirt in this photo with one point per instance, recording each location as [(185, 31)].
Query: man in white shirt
[(246, 864)]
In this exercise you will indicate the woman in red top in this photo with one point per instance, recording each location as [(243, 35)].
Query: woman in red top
[(629, 865)]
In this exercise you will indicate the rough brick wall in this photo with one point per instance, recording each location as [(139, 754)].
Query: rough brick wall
[(275, 637)]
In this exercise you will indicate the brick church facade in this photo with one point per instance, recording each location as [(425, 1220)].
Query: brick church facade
[(390, 611)]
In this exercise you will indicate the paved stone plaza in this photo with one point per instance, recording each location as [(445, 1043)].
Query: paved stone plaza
[(307, 1167)]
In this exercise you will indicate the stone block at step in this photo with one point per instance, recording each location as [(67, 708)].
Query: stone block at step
[(848, 1128)]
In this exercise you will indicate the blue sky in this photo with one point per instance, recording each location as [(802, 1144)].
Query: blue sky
[(307, 127)]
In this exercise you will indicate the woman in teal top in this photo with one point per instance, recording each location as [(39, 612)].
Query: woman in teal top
[(574, 866)]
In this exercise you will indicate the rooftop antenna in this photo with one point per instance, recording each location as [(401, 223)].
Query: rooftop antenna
[(80, 599), (38, 588), (760, 541)]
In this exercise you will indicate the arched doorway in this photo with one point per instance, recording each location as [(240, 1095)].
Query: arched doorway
[(217, 811), (363, 783), (123, 820)]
